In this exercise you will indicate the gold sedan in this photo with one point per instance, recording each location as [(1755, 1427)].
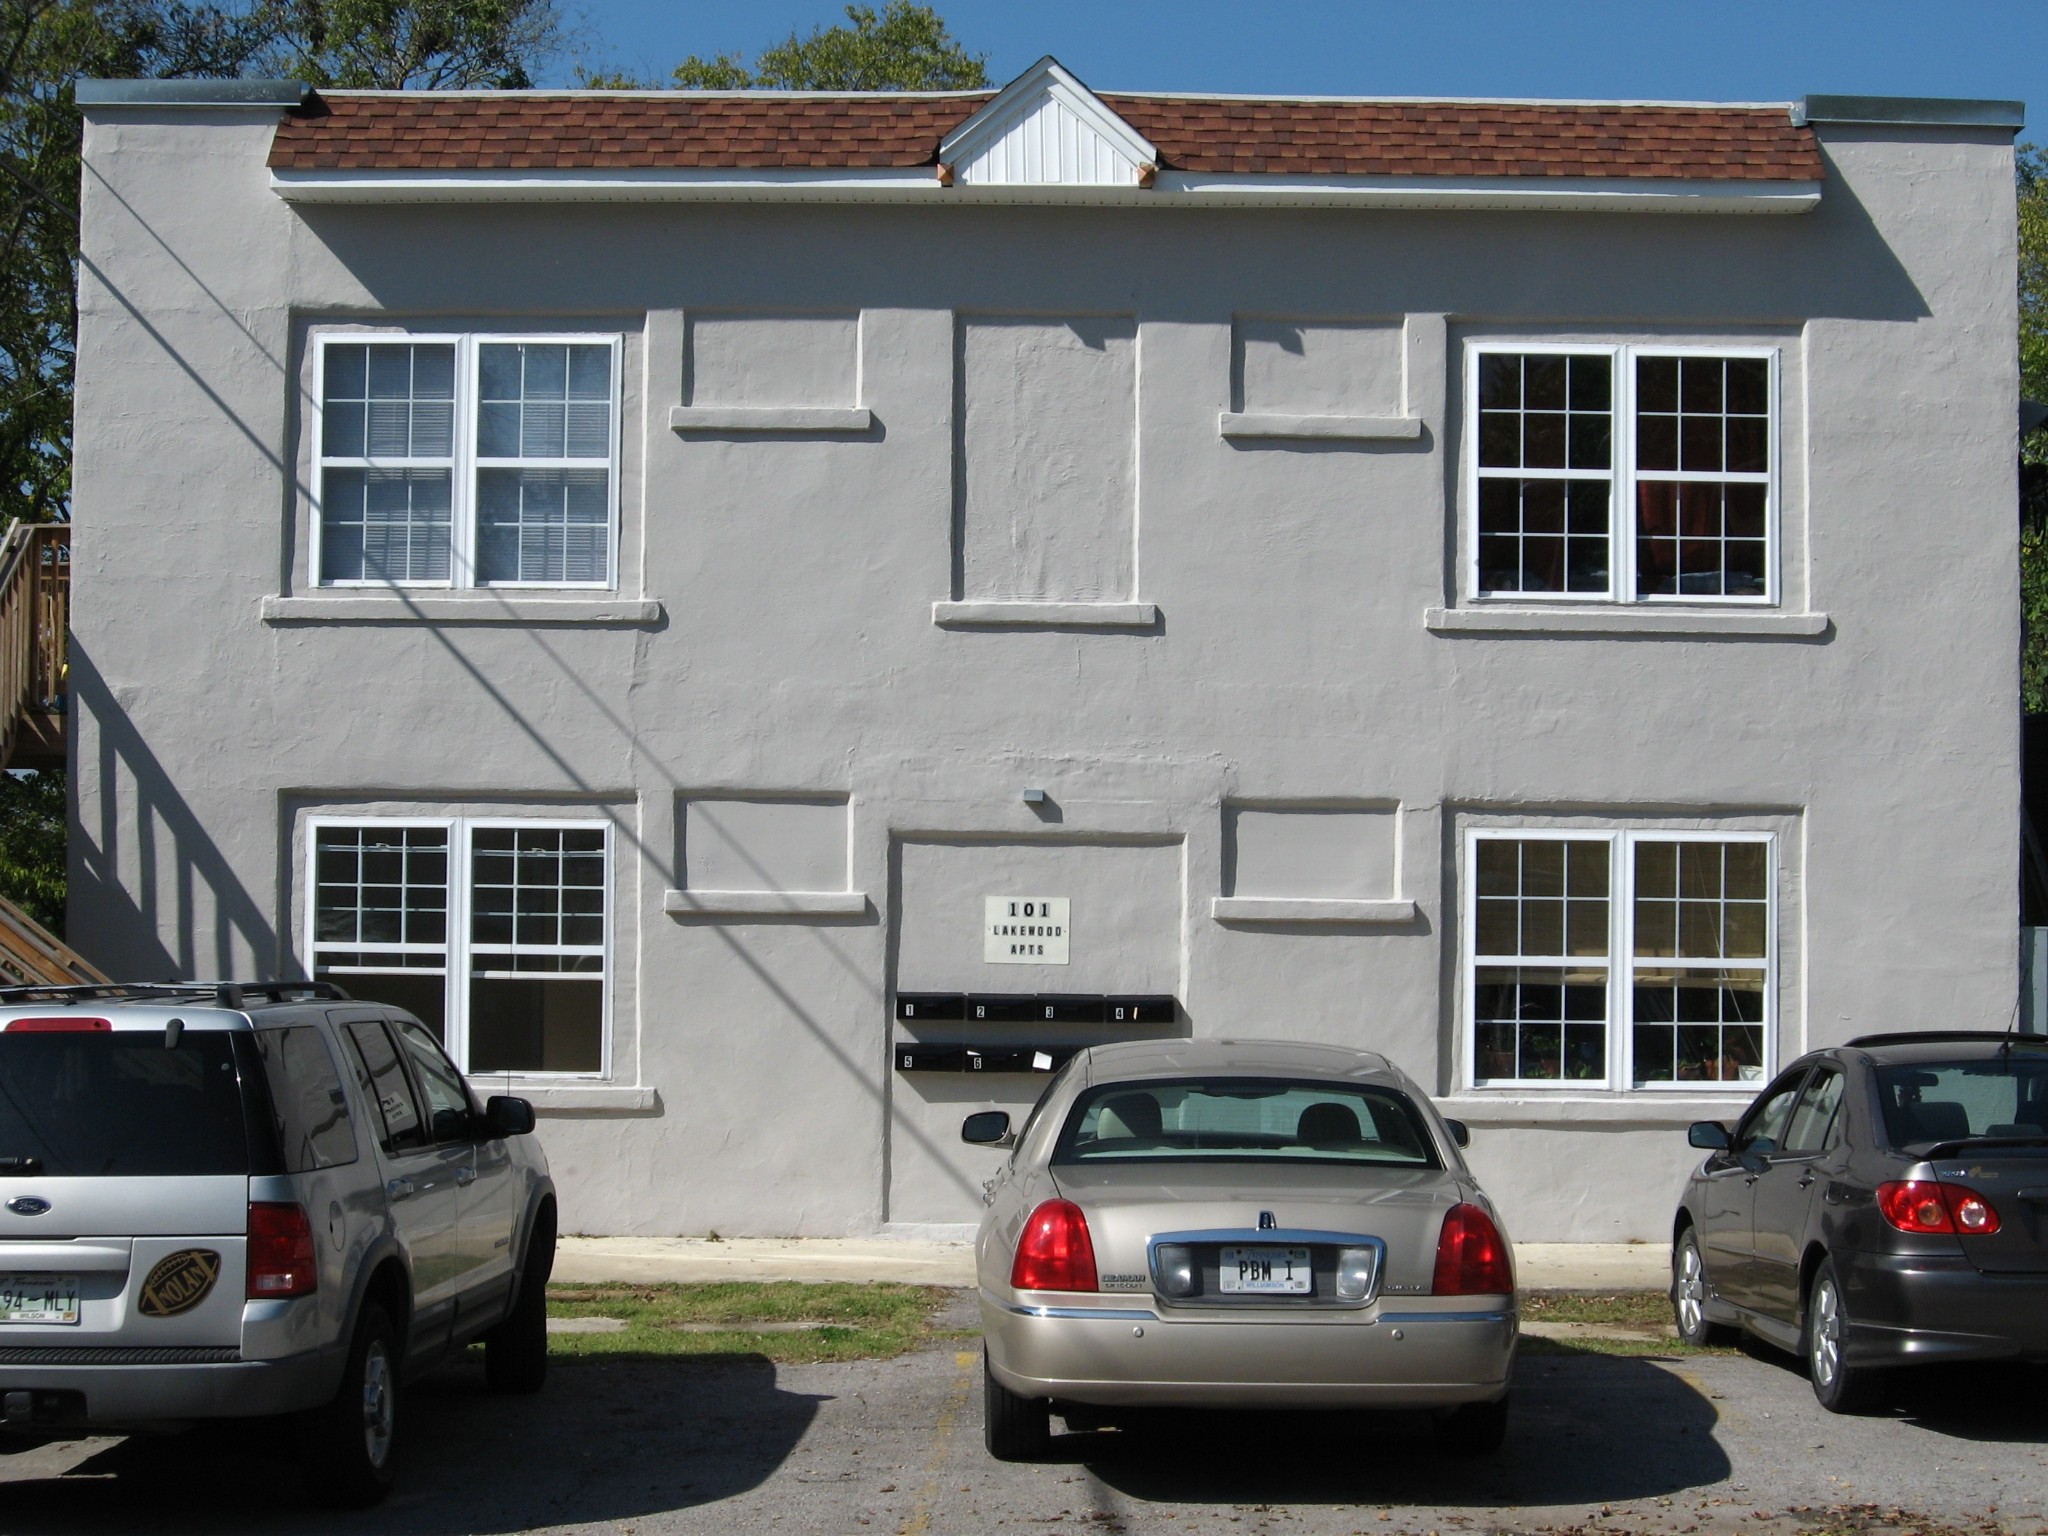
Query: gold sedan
[(1238, 1224)]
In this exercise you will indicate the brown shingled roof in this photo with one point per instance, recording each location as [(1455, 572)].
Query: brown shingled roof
[(425, 131)]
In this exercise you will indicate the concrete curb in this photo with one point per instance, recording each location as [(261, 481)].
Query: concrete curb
[(645, 1260)]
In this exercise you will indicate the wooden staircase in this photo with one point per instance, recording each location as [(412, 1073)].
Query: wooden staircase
[(32, 956), (35, 618)]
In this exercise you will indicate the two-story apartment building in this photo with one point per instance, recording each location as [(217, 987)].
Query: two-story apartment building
[(771, 619)]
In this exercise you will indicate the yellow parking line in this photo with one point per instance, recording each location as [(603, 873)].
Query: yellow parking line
[(920, 1521)]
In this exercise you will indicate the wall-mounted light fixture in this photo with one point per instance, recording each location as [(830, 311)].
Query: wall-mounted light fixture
[(1034, 797)]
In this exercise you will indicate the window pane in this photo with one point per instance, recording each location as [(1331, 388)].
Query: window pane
[(544, 400), (1543, 535), (385, 525), (384, 1083), (1539, 1023), (388, 400), (543, 525), (1698, 1025), (1546, 897), (533, 1025), (408, 906), (1697, 538)]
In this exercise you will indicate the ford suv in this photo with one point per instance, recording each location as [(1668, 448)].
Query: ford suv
[(226, 1200)]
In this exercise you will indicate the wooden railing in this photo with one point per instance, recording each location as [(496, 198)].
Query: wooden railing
[(32, 956), (35, 618)]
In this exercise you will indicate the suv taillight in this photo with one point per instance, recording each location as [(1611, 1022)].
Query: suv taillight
[(1922, 1205), (281, 1257), (59, 1026), (1054, 1252), (1471, 1257)]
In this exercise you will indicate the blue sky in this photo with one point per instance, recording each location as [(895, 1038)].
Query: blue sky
[(1722, 50)]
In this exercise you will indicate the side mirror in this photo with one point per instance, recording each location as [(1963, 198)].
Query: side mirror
[(1708, 1136), (989, 1128), (508, 1116), (1461, 1133)]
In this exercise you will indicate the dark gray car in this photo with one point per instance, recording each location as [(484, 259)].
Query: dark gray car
[(1882, 1203), (224, 1201)]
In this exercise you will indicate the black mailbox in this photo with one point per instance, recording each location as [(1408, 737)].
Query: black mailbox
[(1002, 1059), (931, 1058), (1001, 1008), (1138, 1010), (931, 1005), (1072, 1008)]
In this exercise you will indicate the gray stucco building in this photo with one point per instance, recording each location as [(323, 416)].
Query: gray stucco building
[(769, 619)]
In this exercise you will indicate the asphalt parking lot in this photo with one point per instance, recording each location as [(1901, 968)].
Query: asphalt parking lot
[(1711, 1443)]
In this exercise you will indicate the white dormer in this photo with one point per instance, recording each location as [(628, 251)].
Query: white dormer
[(1045, 128)]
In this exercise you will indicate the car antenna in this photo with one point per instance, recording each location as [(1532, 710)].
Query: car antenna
[(173, 1031)]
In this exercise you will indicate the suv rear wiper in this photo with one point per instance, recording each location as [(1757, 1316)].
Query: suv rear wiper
[(1952, 1147), (19, 1165)]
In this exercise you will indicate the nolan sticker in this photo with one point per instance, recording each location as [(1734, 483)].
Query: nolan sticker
[(28, 1205), (179, 1283)]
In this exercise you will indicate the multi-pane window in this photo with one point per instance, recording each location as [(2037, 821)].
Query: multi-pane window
[(467, 461), (1636, 474), (1602, 959), (493, 933)]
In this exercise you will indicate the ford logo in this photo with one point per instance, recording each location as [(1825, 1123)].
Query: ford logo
[(28, 1205)]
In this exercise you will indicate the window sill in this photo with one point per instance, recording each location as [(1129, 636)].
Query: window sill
[(980, 615), (483, 607), (1653, 1109), (1628, 619), (1315, 910), (1255, 425), (577, 1098), (716, 419), (745, 904)]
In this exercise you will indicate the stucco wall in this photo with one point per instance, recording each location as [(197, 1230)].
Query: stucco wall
[(1290, 664)]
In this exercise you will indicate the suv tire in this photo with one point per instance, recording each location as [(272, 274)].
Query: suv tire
[(516, 1350), (1014, 1428), (348, 1449)]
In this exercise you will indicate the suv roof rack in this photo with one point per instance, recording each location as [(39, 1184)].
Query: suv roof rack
[(222, 994), (1941, 1036)]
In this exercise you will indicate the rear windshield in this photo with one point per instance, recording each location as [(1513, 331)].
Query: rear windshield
[(118, 1103), (2002, 1098), (1239, 1119)]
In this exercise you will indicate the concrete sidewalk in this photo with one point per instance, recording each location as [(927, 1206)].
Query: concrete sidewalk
[(919, 1261)]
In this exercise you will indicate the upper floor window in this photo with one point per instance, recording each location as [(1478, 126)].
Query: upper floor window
[(467, 461), (1605, 959), (1626, 473)]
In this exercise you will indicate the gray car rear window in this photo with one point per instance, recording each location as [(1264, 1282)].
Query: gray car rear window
[(116, 1103), (2000, 1098), (1245, 1119)]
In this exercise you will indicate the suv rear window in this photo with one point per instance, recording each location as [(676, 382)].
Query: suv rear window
[(1241, 1119), (114, 1103), (306, 1101)]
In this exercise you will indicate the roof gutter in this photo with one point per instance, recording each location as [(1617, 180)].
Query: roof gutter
[(1172, 189)]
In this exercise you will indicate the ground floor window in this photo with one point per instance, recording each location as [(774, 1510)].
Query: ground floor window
[(1628, 958), (493, 932)]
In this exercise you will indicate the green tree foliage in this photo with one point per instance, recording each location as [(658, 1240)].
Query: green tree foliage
[(2033, 282), (32, 845), (394, 45), (902, 47)]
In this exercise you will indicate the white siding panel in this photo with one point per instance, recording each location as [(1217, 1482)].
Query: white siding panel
[(1050, 144)]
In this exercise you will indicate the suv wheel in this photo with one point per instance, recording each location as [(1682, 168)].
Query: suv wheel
[(349, 1448), (1840, 1386), (516, 1350)]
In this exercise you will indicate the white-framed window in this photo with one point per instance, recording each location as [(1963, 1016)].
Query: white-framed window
[(1641, 959), (1626, 473), (495, 932), (466, 460)]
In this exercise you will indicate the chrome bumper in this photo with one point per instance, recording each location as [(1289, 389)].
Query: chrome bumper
[(1402, 1355)]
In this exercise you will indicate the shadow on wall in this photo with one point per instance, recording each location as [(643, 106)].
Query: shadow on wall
[(120, 923), (621, 1442)]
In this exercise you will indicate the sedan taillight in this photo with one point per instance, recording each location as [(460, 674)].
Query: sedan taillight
[(1054, 1252), (1472, 1257), (1923, 1205), (282, 1262)]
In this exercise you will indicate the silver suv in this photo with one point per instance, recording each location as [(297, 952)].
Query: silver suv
[(226, 1200)]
